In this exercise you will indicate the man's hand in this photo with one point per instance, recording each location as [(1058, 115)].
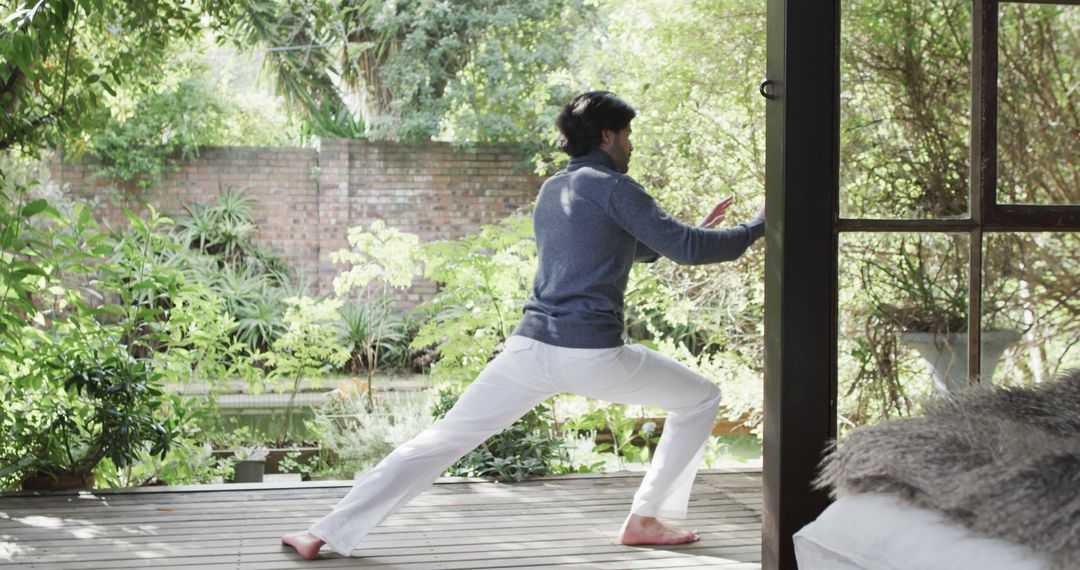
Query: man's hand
[(718, 213)]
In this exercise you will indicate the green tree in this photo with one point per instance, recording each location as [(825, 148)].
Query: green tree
[(380, 255), (307, 347), (59, 58), (163, 128), (905, 144), (485, 278), (483, 66)]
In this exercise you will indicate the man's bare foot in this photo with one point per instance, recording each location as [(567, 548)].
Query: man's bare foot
[(306, 544), (651, 530)]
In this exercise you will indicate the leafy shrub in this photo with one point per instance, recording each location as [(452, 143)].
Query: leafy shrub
[(623, 429), (221, 254), (98, 322), (307, 348), (174, 123), (371, 329), (224, 229), (107, 405), (399, 355), (189, 462), (528, 448), (484, 280), (360, 435)]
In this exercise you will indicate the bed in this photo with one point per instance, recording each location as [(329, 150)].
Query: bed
[(985, 479), (876, 531)]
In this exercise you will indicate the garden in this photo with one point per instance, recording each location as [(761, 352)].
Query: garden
[(125, 348)]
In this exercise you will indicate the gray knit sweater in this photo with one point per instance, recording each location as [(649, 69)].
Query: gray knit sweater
[(592, 223)]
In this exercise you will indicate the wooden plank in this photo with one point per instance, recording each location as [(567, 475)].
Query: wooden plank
[(388, 527), (206, 511), (419, 539), (304, 485), (488, 560), (523, 490), (391, 526), (396, 522), (372, 546), (548, 523), (523, 494), (269, 550), (711, 535), (421, 504), (399, 534)]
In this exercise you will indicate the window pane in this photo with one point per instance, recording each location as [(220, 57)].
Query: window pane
[(902, 295), (1030, 289), (1039, 104), (905, 108)]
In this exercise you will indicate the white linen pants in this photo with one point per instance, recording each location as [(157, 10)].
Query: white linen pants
[(526, 373)]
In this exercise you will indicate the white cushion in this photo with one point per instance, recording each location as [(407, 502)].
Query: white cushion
[(873, 531)]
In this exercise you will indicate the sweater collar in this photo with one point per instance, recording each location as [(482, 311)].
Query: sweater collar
[(595, 156)]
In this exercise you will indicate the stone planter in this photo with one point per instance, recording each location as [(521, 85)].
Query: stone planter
[(275, 455), (946, 356), (249, 471)]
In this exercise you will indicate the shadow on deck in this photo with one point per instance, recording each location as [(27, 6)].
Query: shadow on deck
[(569, 521)]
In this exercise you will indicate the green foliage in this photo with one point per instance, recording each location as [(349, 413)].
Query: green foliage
[(224, 257), (361, 435), (188, 462), (927, 284), (904, 112), (224, 229), (484, 280), (479, 70), (162, 129), (905, 128), (1038, 104), (97, 328), (292, 463), (107, 406), (623, 429), (59, 59), (141, 287), (22, 274), (307, 347), (528, 448), (399, 355), (379, 255), (372, 330), (77, 390), (735, 447), (197, 342)]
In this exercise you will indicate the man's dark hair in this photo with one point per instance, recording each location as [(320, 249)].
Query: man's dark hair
[(582, 122)]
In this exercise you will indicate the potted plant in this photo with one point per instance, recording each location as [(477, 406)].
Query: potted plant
[(91, 406), (249, 464), (928, 293)]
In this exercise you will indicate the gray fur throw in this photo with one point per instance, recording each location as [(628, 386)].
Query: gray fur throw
[(1005, 462)]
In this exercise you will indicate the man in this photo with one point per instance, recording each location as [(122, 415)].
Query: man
[(592, 222)]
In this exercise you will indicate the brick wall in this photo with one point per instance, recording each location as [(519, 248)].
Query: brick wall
[(306, 199)]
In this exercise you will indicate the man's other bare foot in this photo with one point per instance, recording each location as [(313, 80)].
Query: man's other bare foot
[(651, 530), (306, 544)]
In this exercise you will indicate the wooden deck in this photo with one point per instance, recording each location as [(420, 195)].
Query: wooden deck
[(567, 521)]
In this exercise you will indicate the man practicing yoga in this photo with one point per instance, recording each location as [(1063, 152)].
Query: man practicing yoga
[(592, 222)]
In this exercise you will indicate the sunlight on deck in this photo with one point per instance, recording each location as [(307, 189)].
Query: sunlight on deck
[(568, 521)]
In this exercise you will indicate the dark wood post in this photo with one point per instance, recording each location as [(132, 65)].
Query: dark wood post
[(802, 164)]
